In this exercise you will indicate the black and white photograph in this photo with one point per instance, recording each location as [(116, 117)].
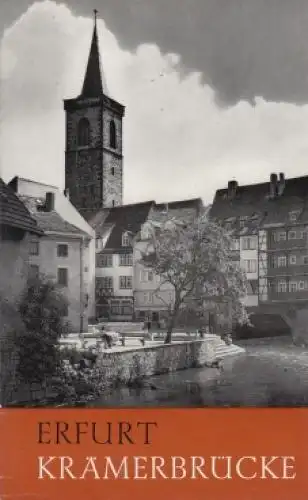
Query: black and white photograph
[(154, 203)]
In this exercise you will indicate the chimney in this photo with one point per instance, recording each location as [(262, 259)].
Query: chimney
[(273, 185), (282, 183), (232, 187), (67, 193), (50, 202)]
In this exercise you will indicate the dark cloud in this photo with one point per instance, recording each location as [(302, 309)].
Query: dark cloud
[(244, 48)]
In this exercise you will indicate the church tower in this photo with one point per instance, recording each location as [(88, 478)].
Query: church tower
[(93, 153)]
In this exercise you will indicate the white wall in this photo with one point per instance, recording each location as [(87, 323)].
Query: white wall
[(49, 262), (69, 213), (115, 272), (250, 300)]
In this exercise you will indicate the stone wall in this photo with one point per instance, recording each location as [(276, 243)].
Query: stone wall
[(130, 365)]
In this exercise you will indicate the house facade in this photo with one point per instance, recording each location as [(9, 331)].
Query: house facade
[(116, 229), (17, 228), (66, 252), (152, 298), (269, 223)]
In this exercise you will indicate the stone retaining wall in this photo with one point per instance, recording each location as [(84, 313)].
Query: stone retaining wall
[(131, 365)]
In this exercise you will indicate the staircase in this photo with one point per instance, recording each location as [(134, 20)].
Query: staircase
[(223, 350)]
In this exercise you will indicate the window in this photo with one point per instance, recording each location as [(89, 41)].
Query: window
[(62, 250), (126, 259), (281, 261), (105, 283), (34, 248), (126, 282), (147, 298), (280, 236), (294, 215), (34, 271), (305, 260), (292, 235), (281, 286), (65, 309), (127, 307), (113, 203), (250, 266), (125, 240), (301, 235), (301, 285), (292, 260), (104, 260), (62, 276), (249, 243), (115, 307), (146, 275), (243, 221), (112, 170), (83, 133), (235, 244), (112, 135), (293, 286)]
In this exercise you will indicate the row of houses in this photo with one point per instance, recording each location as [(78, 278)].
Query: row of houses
[(95, 263), (268, 222)]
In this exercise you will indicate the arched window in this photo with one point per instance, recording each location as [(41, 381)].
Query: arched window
[(112, 135), (112, 170), (83, 132)]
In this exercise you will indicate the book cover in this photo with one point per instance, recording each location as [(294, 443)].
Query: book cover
[(153, 250)]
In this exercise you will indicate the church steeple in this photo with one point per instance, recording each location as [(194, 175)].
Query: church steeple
[(92, 84)]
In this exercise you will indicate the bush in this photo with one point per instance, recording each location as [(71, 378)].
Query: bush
[(42, 310)]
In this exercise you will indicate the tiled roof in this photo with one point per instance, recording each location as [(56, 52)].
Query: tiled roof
[(123, 218), (53, 222), (255, 199), (14, 213), (49, 221), (195, 203)]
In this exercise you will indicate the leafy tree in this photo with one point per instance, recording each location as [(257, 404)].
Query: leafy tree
[(42, 309), (195, 260)]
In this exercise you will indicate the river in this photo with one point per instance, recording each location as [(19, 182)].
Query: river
[(272, 372)]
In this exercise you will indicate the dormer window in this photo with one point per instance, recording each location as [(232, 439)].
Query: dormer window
[(293, 216), (112, 135), (125, 240), (83, 134)]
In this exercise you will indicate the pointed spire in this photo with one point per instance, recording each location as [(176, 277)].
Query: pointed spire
[(92, 84)]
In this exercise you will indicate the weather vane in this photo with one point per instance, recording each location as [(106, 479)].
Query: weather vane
[(95, 14)]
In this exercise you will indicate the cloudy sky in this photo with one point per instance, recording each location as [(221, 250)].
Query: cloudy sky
[(213, 89)]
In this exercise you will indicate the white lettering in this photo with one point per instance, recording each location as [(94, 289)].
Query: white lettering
[(238, 468), (178, 467), (90, 468), (197, 467), (116, 473), (139, 467), (265, 463), (157, 467), (43, 462), (228, 474)]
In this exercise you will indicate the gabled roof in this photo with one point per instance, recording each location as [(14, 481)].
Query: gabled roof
[(49, 221), (14, 213), (125, 218), (253, 199)]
